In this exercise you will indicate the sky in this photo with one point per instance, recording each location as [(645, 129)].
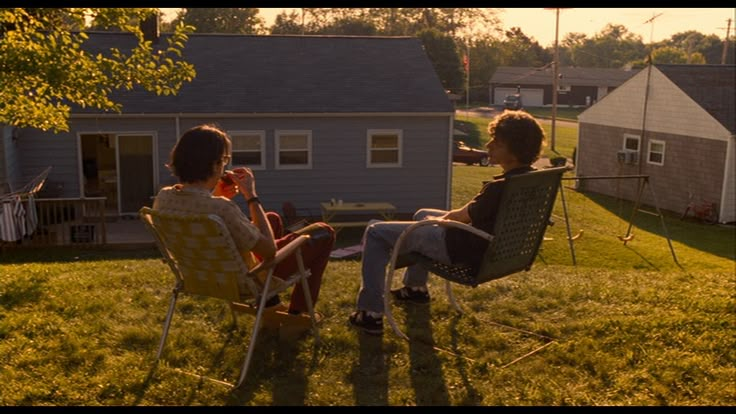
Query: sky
[(539, 23)]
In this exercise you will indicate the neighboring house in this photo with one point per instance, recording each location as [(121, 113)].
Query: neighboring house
[(675, 124), (576, 86), (316, 118)]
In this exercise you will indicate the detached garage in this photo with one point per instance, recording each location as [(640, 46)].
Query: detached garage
[(576, 87), (674, 123), (529, 96)]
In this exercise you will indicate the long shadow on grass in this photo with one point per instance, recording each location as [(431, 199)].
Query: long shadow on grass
[(716, 240), (427, 376), (472, 397), (290, 379), (370, 375)]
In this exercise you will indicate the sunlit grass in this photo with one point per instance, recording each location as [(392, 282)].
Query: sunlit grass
[(628, 327)]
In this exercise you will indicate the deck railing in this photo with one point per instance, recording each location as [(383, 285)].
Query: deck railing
[(67, 222)]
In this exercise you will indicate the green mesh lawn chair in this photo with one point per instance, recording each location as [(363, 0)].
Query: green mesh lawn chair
[(526, 207)]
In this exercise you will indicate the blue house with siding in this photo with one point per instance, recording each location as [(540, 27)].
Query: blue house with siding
[(316, 117)]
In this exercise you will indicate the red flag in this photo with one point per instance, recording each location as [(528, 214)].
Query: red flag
[(466, 63)]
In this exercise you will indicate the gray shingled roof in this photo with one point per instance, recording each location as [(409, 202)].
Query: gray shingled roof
[(570, 76), (711, 86), (293, 74)]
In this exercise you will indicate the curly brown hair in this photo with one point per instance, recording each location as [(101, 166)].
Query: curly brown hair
[(520, 132)]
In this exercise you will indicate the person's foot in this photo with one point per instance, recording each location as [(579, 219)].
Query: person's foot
[(408, 294), (366, 323)]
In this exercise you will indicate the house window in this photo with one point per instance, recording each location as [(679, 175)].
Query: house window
[(383, 148), (656, 152), (631, 142), (249, 149), (293, 150)]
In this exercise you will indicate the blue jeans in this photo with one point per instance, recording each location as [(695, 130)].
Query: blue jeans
[(378, 242)]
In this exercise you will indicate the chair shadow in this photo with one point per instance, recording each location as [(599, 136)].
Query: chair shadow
[(276, 359), (290, 378), (472, 396), (217, 360), (426, 372), (370, 374)]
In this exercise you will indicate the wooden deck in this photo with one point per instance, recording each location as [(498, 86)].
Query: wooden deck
[(128, 231)]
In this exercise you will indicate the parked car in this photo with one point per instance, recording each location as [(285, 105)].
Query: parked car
[(512, 101), (465, 154)]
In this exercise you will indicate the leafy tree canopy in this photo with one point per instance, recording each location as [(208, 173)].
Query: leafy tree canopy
[(222, 20), (45, 68)]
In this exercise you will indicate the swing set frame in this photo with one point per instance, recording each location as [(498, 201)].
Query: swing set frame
[(643, 181)]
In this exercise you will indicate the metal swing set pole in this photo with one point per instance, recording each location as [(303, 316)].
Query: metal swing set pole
[(633, 212)]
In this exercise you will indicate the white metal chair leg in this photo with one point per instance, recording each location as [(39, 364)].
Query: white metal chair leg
[(167, 322), (307, 294), (451, 296), (390, 276), (256, 328), (395, 255)]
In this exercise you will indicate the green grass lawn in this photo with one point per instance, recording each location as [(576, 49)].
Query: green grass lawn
[(626, 326)]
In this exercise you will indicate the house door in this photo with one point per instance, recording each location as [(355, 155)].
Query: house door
[(135, 172)]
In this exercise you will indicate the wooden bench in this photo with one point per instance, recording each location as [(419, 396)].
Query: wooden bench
[(331, 211)]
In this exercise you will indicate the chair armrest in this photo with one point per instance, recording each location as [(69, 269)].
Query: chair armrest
[(400, 240), (395, 254), (457, 224), (281, 254)]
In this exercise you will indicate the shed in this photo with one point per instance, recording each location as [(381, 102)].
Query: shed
[(316, 117), (673, 123)]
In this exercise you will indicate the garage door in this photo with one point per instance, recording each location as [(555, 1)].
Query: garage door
[(529, 97)]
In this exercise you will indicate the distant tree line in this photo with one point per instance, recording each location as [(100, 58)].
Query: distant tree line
[(45, 68), (450, 34)]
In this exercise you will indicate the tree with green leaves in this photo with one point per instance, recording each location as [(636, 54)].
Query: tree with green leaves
[(443, 54), (287, 23), (521, 50), (222, 20), (612, 47), (44, 67), (693, 42)]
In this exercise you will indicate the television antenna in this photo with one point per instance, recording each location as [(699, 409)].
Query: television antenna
[(725, 42), (651, 33)]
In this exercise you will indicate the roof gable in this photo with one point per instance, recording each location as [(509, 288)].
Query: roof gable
[(668, 109), (293, 74), (710, 86), (570, 75)]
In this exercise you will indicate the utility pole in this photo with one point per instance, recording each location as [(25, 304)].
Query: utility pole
[(466, 64), (555, 76), (725, 42)]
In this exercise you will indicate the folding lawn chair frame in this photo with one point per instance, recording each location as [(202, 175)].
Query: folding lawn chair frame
[(205, 261)]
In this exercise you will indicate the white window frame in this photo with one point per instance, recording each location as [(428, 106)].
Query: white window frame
[(650, 152), (637, 138), (262, 137), (369, 138), (278, 135)]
